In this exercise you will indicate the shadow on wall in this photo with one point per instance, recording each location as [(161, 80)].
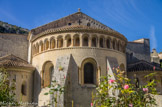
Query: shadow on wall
[(70, 82), (131, 58), (36, 86)]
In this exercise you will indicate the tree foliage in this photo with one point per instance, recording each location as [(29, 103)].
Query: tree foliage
[(128, 94), (6, 90)]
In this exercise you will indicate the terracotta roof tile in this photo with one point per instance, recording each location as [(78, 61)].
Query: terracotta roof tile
[(14, 61)]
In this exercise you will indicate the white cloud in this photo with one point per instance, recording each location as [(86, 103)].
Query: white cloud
[(153, 37)]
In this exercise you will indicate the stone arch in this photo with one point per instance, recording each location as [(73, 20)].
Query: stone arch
[(34, 49), (101, 42), (108, 43), (76, 40), (85, 40), (122, 67), (114, 44), (94, 41), (24, 88), (68, 40), (46, 44), (37, 48), (117, 45), (41, 46), (88, 24), (52, 43), (60, 42), (47, 71), (89, 71)]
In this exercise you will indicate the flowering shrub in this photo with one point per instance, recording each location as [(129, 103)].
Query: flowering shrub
[(122, 93), (57, 89)]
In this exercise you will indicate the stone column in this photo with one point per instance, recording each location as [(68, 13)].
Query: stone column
[(56, 46), (72, 41), (64, 42), (98, 42), (104, 43), (81, 40), (90, 41), (111, 44)]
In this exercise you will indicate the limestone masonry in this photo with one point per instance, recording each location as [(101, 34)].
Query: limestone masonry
[(75, 51)]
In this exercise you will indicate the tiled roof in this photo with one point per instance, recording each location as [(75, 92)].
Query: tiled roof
[(14, 61), (143, 66), (65, 20)]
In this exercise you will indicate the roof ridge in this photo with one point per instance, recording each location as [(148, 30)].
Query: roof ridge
[(55, 20)]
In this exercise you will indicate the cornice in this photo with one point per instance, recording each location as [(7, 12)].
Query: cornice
[(79, 28)]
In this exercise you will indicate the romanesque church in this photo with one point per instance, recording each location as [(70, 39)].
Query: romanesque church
[(76, 51)]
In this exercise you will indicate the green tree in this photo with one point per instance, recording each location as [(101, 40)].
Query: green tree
[(6, 90)]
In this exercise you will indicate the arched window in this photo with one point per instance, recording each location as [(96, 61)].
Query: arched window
[(34, 50), (47, 72), (88, 73), (85, 41), (41, 45), (108, 43), (68, 42), (94, 42), (37, 48), (88, 24), (114, 44), (101, 43), (52, 43), (60, 42), (46, 45), (117, 46), (76, 40), (24, 88)]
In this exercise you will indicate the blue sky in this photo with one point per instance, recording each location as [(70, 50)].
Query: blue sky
[(133, 18)]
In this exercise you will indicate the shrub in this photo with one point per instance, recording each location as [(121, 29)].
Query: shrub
[(6, 90), (120, 92)]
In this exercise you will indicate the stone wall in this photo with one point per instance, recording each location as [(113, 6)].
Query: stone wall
[(159, 100), (138, 50), (22, 76), (14, 44)]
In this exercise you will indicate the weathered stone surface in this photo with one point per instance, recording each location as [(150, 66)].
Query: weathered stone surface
[(138, 50), (14, 44)]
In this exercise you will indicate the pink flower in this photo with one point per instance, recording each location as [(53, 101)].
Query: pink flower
[(130, 105), (154, 68), (113, 68), (91, 104), (145, 89), (111, 81), (107, 68), (126, 87)]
